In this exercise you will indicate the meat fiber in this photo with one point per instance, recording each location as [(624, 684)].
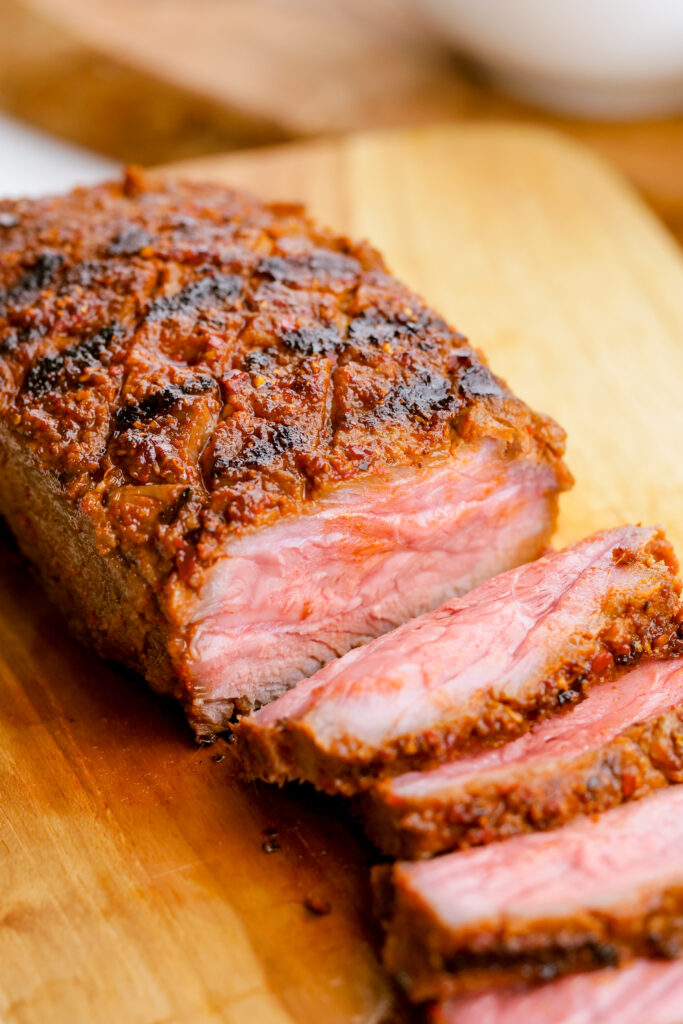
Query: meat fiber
[(645, 992), (623, 741), (236, 447), (476, 672), (594, 893)]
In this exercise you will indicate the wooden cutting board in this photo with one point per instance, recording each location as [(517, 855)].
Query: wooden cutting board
[(134, 885)]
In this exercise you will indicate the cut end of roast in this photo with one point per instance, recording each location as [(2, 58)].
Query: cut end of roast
[(236, 447), (285, 600)]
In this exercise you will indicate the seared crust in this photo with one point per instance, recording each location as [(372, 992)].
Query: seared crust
[(230, 353), (643, 620), (432, 963), (645, 757), (187, 363)]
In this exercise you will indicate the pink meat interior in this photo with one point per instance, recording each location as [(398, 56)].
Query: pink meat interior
[(501, 638), (590, 863), (286, 599), (649, 690), (645, 992)]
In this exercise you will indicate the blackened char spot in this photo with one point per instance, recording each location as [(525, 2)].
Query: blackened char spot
[(10, 342), (198, 385), (86, 273), (8, 220), (477, 380), (312, 341), (38, 276), (372, 329), (160, 402), (265, 446), (259, 358), (422, 396), (170, 514), (334, 264), (279, 269), (129, 241), (63, 369), (17, 336), (605, 954), (416, 321), (214, 287), (303, 269)]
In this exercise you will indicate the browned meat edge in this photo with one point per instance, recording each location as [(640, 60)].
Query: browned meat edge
[(647, 628), (430, 963), (106, 601), (645, 757)]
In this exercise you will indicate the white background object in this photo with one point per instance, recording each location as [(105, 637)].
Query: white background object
[(601, 58), (33, 163)]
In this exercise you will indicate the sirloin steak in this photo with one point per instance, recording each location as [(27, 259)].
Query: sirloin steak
[(595, 893), (623, 741), (477, 671), (235, 446)]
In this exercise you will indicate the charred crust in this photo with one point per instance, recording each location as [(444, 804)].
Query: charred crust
[(264, 447), (255, 357), (551, 963), (129, 242), (259, 358), (15, 337), (160, 402), (312, 341), (572, 694), (171, 512), (643, 758), (37, 276), (57, 372), (421, 397), (212, 287), (476, 380), (370, 328), (299, 271)]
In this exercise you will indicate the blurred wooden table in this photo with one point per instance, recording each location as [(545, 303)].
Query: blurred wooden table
[(169, 79)]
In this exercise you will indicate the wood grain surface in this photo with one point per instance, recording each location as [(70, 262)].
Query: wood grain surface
[(167, 79), (135, 887)]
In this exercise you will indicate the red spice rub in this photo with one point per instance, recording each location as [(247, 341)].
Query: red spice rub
[(181, 364), (594, 893), (621, 743)]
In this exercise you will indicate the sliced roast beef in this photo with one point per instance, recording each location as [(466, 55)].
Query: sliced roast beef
[(645, 992), (591, 894), (236, 447), (623, 741), (476, 672)]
